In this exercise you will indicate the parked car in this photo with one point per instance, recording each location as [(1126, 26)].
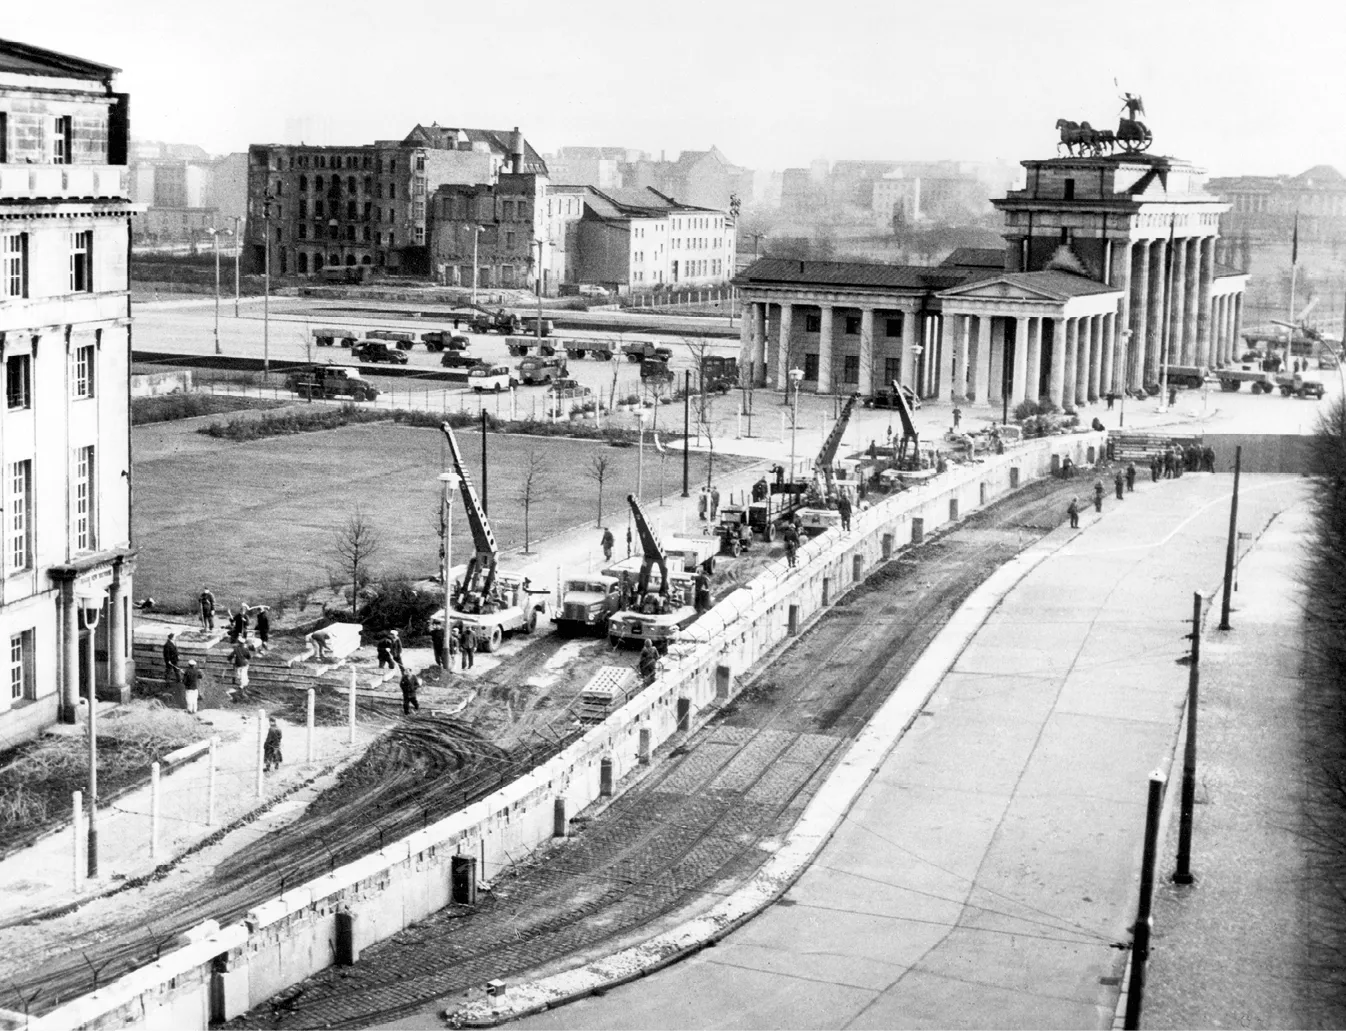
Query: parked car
[(377, 352), (885, 398), (491, 377), (460, 360), (330, 381)]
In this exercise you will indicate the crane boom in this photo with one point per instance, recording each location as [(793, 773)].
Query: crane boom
[(654, 551), (483, 540), (823, 464)]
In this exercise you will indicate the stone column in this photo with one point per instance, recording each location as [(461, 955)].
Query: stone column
[(745, 352), (1179, 353), (1191, 302), (759, 332), (1072, 349), (825, 350), (783, 334), (1216, 331), (1096, 384), (1057, 379), (1084, 360), (1236, 338), (116, 634), (1107, 376), (1019, 376), (945, 336), (981, 363), (1033, 376), (996, 375), (866, 385), (69, 617), (962, 335), (1133, 372), (1207, 353), (1158, 308), (1228, 346)]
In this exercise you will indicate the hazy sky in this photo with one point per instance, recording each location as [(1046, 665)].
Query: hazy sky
[(1235, 85)]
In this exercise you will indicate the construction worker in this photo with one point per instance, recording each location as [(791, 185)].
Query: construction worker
[(469, 646), (649, 663)]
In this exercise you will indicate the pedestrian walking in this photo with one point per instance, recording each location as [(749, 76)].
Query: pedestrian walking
[(607, 542), (239, 657), (271, 756), (844, 510), (172, 671), (437, 644), (263, 629), (469, 647), (648, 663), (395, 646), (957, 416), (207, 604), (384, 648), (714, 503), (1073, 510), (1154, 468), (791, 551), (702, 504), (1130, 476), (191, 685), (1111, 397), (409, 683), (1119, 483), (1098, 495)]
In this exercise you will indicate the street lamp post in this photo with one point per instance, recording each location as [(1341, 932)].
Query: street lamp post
[(215, 235), (266, 288), (796, 375), (640, 457), (238, 249), (448, 484), (1126, 353), (476, 235), (539, 293), (90, 603)]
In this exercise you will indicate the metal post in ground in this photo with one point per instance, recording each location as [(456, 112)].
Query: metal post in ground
[(154, 811), (210, 782), (77, 804), (484, 509), (1231, 543), (350, 735), (1140, 939), (308, 740), (261, 751), (1183, 875), (686, 425)]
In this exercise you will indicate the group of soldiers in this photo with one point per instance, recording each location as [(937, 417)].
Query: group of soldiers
[(1177, 459)]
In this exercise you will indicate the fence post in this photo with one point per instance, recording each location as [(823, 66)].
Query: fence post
[(1140, 939), (1183, 875)]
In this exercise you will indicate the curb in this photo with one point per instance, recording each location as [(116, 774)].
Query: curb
[(815, 828)]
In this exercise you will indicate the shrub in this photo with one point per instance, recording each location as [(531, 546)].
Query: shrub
[(398, 605), (1026, 409)]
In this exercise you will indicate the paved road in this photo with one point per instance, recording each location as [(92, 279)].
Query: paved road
[(703, 819), (985, 876)]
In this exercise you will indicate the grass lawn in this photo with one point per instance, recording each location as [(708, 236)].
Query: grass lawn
[(257, 520), (167, 407)]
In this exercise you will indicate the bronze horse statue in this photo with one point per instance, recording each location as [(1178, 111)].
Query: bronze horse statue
[(1081, 138)]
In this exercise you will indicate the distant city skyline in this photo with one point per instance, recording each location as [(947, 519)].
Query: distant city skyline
[(1236, 86)]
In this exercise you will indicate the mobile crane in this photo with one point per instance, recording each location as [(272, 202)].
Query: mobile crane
[(820, 514), (654, 615), (486, 602)]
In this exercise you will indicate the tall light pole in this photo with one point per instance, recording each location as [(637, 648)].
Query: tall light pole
[(90, 603), (795, 375), (266, 295), (448, 484), (215, 235), (476, 235), (238, 249), (539, 294), (640, 457)]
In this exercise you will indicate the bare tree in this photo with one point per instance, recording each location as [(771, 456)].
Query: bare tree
[(598, 472), (357, 542), (531, 484)]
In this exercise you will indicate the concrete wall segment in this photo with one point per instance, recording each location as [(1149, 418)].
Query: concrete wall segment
[(288, 938)]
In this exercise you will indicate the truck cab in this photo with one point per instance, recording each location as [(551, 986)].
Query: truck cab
[(538, 369), (587, 602), (331, 381)]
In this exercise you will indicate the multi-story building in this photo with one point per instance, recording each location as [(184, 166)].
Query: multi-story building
[(366, 205), (591, 166), (486, 234), (632, 240), (65, 329), (701, 178)]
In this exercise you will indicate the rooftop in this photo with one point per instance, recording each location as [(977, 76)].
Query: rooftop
[(852, 274), (30, 60)]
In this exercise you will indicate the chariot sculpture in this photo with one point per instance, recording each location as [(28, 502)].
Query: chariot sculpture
[(1132, 135)]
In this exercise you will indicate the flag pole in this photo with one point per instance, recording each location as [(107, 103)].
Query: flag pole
[(1294, 274)]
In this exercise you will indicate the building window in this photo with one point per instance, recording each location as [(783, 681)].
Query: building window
[(19, 380), (850, 368), (303, 184), (1070, 189), (85, 366), (61, 141), (509, 239), (302, 259), (892, 328), (4, 136), (81, 262), (813, 323), (852, 325), (351, 210), (14, 265), (22, 683), (392, 190), (420, 234), (85, 538), (20, 511), (303, 231), (811, 367), (892, 369)]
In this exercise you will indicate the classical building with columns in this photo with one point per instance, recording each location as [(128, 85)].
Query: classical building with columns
[(1108, 273), (66, 561)]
